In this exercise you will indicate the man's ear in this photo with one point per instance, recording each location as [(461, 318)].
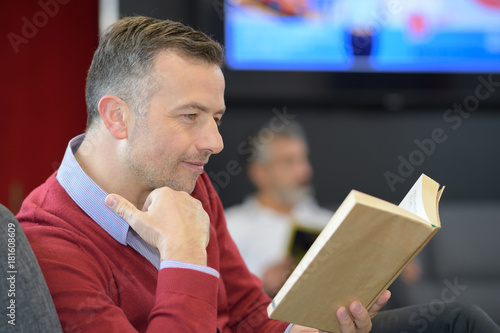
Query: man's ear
[(114, 113)]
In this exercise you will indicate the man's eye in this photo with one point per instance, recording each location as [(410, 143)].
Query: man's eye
[(218, 121), (191, 116)]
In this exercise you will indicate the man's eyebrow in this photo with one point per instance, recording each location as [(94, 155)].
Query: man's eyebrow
[(196, 106)]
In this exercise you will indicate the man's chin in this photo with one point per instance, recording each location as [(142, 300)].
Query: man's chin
[(191, 189), (186, 185)]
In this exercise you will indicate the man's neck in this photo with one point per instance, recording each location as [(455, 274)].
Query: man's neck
[(270, 201), (104, 168)]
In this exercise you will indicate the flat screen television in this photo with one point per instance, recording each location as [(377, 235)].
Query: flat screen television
[(401, 36)]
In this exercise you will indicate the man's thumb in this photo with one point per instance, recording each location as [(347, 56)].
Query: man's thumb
[(121, 206)]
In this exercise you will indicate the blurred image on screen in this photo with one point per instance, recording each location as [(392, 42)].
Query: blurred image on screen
[(363, 35)]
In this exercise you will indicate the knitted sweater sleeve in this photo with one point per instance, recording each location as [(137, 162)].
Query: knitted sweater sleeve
[(87, 298)]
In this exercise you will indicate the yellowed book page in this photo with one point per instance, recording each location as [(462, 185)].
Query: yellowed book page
[(423, 199), (431, 194)]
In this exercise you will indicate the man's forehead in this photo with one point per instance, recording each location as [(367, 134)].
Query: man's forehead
[(170, 62), (287, 140)]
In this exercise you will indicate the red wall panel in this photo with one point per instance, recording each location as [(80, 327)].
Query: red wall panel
[(46, 49)]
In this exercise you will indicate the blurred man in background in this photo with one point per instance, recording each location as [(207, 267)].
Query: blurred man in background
[(264, 225)]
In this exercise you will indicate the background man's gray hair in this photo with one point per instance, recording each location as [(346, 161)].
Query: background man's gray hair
[(265, 135)]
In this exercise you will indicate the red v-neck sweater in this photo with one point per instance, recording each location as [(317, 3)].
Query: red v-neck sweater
[(99, 285)]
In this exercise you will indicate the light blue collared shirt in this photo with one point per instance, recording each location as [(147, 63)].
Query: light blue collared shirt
[(90, 198)]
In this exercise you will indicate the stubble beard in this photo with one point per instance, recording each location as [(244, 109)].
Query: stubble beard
[(150, 173), (154, 176)]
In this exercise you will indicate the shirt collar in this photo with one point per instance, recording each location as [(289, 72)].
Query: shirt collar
[(88, 195)]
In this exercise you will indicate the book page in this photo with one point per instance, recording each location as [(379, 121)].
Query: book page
[(413, 202)]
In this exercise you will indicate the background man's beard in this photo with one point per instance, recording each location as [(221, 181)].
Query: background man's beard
[(295, 195)]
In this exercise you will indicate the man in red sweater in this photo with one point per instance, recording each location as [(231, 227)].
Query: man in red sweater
[(155, 255), (155, 99)]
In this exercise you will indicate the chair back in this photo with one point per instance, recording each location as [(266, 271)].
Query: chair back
[(24, 297)]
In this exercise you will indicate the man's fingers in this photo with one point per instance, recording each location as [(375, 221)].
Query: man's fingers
[(345, 322), (122, 207), (380, 303), (362, 319)]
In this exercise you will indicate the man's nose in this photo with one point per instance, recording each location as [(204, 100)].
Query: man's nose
[(211, 140)]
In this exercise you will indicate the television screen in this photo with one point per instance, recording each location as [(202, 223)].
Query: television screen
[(459, 36)]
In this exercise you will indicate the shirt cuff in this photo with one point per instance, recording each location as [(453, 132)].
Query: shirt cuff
[(288, 328), (179, 264)]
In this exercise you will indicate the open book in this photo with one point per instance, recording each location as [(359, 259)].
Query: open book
[(360, 252)]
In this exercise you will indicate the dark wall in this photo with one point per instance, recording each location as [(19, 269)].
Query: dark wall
[(354, 149), (205, 15)]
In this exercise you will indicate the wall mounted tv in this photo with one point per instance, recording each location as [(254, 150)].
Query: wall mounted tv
[(410, 36)]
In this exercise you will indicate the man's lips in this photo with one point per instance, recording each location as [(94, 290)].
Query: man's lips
[(195, 165)]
